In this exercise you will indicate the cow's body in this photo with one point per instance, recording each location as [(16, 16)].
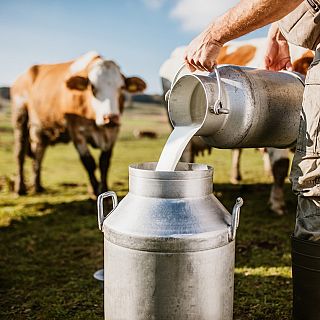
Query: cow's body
[(245, 53), (80, 100)]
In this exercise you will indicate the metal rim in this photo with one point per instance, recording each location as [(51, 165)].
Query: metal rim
[(184, 171), (198, 79)]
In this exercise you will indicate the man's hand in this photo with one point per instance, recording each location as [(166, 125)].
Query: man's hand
[(202, 52), (277, 56)]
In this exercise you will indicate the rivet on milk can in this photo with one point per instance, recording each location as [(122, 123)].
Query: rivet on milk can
[(239, 107), (169, 247)]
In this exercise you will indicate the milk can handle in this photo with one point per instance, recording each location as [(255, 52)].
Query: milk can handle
[(101, 216), (235, 219), (217, 107)]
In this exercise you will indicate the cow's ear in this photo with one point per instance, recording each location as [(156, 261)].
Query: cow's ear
[(134, 84), (77, 83)]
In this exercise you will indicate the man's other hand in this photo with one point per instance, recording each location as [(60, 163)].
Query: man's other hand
[(277, 56)]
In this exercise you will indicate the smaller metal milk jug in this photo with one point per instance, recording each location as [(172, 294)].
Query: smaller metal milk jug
[(169, 247), (239, 107)]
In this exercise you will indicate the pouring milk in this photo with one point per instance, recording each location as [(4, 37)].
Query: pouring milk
[(189, 115), (174, 147)]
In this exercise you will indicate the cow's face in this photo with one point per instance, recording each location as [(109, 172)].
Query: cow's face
[(103, 82), (106, 82)]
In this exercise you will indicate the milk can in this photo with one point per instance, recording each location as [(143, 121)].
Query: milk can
[(239, 107), (169, 247)]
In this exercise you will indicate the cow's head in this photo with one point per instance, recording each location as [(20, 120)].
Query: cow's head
[(103, 82)]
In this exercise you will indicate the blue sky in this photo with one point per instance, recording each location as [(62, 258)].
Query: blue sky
[(138, 34)]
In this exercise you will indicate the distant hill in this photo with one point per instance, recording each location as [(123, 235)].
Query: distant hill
[(142, 98), (5, 93), (147, 98), (4, 98)]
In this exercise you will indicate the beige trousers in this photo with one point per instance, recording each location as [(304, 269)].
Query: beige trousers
[(305, 172)]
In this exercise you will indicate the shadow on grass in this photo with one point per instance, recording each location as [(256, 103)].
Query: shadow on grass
[(47, 261)]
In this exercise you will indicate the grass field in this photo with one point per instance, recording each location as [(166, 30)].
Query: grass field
[(50, 244)]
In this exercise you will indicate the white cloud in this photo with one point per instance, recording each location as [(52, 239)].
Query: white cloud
[(195, 15), (154, 4)]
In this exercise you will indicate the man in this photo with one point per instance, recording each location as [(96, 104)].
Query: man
[(201, 54)]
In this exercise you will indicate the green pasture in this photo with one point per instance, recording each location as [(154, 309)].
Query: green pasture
[(50, 244)]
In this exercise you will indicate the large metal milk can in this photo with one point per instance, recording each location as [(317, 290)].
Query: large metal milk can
[(169, 247), (239, 107)]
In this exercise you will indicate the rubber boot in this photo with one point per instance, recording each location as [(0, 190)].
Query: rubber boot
[(306, 279)]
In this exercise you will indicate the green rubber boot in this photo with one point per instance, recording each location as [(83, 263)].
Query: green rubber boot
[(306, 279)]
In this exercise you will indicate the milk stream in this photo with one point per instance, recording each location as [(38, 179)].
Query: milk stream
[(174, 147)]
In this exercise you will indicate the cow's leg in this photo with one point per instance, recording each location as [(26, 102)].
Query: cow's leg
[(38, 147), (104, 163), (21, 141), (266, 161), (279, 160), (235, 175), (88, 162), (38, 152), (80, 143), (90, 165)]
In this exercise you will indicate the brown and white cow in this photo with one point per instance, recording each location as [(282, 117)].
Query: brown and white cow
[(80, 100), (245, 53)]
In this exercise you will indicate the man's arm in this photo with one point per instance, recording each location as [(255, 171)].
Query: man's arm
[(246, 16)]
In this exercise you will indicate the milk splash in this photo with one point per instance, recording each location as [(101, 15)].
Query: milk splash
[(174, 147)]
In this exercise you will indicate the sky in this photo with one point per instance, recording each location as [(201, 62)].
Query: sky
[(137, 34)]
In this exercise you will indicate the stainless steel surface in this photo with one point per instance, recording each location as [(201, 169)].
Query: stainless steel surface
[(142, 285), (264, 107), (168, 248), (100, 199)]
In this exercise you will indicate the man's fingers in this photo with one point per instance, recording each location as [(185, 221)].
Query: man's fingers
[(199, 65), (187, 63), (289, 66), (267, 63), (209, 67), (189, 66), (193, 63), (208, 64), (196, 63), (190, 62)]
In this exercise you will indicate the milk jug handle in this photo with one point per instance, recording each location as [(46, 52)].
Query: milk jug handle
[(101, 197), (235, 219), (217, 107)]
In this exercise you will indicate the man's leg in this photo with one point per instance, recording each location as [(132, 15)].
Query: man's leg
[(305, 177)]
